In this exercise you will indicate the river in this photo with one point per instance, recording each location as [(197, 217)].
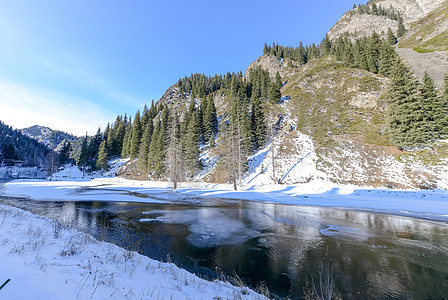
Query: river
[(282, 247)]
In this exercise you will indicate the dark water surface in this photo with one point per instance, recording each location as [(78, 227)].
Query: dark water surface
[(371, 256)]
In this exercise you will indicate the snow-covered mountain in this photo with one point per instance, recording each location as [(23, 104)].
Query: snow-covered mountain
[(47, 136)]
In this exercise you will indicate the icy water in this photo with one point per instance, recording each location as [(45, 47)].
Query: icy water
[(369, 255)]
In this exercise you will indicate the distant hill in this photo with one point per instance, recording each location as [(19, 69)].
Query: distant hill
[(47, 136), (14, 145)]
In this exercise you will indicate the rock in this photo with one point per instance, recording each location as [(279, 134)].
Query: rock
[(357, 25), (435, 63), (271, 64), (365, 24)]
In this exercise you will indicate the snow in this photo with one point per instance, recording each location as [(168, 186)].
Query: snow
[(429, 204), (45, 262), (49, 260), (22, 172), (72, 172)]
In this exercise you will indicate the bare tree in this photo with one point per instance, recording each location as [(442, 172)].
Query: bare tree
[(52, 163), (273, 132)]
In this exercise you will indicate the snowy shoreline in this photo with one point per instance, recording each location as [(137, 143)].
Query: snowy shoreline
[(426, 204), (54, 261), (45, 259)]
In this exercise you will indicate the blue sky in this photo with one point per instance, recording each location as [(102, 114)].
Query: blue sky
[(75, 65)]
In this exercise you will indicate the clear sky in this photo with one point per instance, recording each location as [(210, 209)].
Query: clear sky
[(76, 65)]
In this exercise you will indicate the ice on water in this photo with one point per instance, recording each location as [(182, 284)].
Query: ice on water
[(209, 227)]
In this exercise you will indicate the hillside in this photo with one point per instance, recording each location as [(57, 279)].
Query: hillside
[(16, 146), (47, 136), (331, 128), (355, 23), (330, 123), (429, 33), (339, 114)]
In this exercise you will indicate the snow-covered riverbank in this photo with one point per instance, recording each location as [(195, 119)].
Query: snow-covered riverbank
[(429, 204), (48, 260)]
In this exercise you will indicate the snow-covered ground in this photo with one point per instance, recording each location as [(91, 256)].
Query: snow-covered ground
[(48, 260), (430, 204), (45, 259), (74, 173)]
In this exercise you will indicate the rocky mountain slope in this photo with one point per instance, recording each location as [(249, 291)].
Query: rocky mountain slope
[(47, 136), (331, 123), (358, 24), (427, 34)]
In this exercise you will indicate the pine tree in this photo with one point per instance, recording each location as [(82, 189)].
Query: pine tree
[(136, 136), (83, 159), (93, 149), (274, 89), (157, 148), (325, 46), (387, 57), (434, 110), (212, 141), (442, 110), (144, 147), (208, 119), (403, 111), (301, 55), (191, 149), (373, 52), (374, 9), (175, 154), (391, 39), (119, 130), (265, 49), (126, 148), (65, 153), (101, 162), (145, 117), (401, 29)]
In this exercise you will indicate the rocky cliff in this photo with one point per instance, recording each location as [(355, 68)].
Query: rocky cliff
[(272, 65), (358, 24)]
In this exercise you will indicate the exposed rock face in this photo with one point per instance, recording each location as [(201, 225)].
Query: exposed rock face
[(271, 64), (364, 24), (171, 96), (411, 10), (429, 33), (361, 25), (435, 63)]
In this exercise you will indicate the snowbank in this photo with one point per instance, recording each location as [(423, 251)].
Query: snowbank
[(48, 260), (74, 173), (22, 172)]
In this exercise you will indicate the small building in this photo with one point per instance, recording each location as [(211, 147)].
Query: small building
[(12, 162)]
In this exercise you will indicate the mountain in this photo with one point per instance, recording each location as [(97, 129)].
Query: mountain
[(424, 46), (14, 145), (47, 136), (358, 23), (331, 121), (430, 33)]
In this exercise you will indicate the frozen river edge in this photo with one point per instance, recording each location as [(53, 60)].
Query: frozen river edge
[(45, 259), (425, 204)]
